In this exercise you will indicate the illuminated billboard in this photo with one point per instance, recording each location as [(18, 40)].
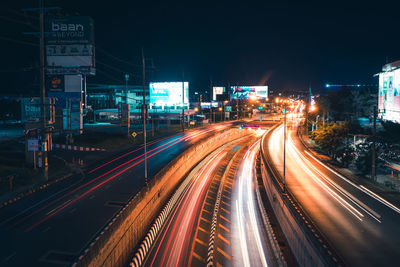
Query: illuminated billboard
[(217, 90), (389, 95), (168, 93), (244, 92)]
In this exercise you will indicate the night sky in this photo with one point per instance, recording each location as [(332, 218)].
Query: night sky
[(284, 45)]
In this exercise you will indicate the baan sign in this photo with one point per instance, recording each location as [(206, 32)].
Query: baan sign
[(69, 30)]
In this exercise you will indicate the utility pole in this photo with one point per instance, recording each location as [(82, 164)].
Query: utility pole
[(183, 101), (373, 169), (144, 116), (43, 90), (284, 149)]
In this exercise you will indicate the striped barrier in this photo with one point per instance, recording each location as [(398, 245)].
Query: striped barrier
[(77, 148), (146, 244)]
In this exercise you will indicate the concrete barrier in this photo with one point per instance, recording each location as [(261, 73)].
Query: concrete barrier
[(116, 243), (306, 242)]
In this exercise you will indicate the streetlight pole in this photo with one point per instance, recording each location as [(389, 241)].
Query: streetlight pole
[(43, 90), (373, 169), (144, 116), (284, 149)]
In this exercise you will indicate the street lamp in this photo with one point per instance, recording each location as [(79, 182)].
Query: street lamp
[(284, 149)]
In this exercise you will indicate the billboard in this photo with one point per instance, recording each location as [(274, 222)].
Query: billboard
[(69, 30), (244, 92), (217, 90), (169, 93), (205, 105), (389, 95), (70, 45)]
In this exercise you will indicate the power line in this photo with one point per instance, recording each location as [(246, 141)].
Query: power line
[(113, 68), (116, 58), (17, 41)]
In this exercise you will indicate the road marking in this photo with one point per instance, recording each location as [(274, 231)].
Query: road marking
[(205, 231), (224, 253), (73, 210), (46, 230), (92, 196), (204, 219), (225, 196), (200, 258), (223, 227), (224, 218), (10, 256), (361, 187), (227, 204), (223, 239), (227, 211), (201, 242)]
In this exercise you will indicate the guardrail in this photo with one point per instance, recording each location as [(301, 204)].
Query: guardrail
[(308, 244)]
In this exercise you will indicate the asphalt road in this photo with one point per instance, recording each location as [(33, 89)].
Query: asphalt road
[(249, 238), (240, 238), (52, 227), (361, 226)]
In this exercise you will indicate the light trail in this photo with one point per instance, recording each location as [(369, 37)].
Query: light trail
[(180, 234), (360, 187), (246, 199), (130, 152), (65, 204), (302, 162), (68, 203)]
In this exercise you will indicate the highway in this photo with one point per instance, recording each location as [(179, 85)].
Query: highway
[(361, 226), (52, 227), (221, 190), (250, 243)]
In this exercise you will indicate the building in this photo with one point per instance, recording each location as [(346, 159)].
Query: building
[(389, 92)]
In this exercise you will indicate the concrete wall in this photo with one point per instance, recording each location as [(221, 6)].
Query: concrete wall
[(115, 245), (305, 241)]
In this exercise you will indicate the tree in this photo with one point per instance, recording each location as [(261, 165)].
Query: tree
[(331, 137)]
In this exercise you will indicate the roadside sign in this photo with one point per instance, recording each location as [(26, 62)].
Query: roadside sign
[(33, 145), (134, 134)]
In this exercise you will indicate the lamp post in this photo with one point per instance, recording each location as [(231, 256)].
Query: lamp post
[(284, 149), (144, 117)]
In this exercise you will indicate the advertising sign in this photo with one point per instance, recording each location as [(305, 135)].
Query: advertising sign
[(214, 104), (244, 92), (55, 83), (69, 30), (70, 45), (169, 93), (217, 90), (205, 104)]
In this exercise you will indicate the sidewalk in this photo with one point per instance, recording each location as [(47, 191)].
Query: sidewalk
[(386, 186)]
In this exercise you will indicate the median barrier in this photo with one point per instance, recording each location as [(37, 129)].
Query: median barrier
[(116, 243), (306, 242)]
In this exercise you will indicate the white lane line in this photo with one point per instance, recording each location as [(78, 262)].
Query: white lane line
[(361, 187), (242, 238), (10, 256), (327, 189), (247, 175)]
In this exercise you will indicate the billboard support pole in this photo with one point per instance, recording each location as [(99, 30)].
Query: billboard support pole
[(43, 89), (144, 116)]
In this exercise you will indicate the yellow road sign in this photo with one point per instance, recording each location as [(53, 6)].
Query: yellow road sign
[(134, 134)]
